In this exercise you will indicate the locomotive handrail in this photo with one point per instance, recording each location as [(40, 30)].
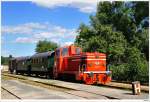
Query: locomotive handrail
[(97, 72)]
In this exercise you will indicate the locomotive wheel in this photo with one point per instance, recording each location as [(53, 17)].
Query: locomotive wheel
[(55, 76), (89, 81)]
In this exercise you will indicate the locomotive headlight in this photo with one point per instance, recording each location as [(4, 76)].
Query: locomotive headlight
[(109, 73), (97, 63)]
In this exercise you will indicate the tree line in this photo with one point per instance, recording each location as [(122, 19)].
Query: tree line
[(4, 60)]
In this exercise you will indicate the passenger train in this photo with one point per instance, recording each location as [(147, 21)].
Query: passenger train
[(64, 62)]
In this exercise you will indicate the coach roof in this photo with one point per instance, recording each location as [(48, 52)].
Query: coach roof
[(44, 54), (22, 58)]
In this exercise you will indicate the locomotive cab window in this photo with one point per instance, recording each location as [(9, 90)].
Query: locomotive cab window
[(77, 50), (64, 51)]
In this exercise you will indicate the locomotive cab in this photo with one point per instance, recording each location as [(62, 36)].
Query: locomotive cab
[(62, 63)]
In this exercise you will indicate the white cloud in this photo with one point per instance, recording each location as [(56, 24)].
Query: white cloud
[(26, 28), (68, 43), (33, 32), (86, 6), (25, 40)]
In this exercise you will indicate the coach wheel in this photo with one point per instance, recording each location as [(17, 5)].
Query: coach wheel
[(29, 70), (36, 75), (47, 76), (11, 71), (16, 72)]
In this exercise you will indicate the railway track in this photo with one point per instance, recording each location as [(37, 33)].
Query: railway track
[(55, 87), (17, 97), (63, 88), (113, 84)]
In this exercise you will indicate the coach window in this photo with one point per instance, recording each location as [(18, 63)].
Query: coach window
[(37, 60), (40, 60), (57, 53), (65, 52)]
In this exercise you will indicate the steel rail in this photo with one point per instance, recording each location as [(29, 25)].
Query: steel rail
[(10, 93)]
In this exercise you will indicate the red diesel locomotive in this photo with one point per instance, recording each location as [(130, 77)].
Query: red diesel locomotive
[(88, 67)]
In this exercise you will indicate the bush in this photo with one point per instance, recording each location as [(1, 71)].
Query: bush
[(135, 69)]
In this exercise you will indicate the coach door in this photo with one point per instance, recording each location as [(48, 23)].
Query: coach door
[(56, 63)]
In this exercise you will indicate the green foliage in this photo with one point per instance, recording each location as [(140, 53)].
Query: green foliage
[(114, 30), (138, 66), (4, 60), (119, 71), (43, 46)]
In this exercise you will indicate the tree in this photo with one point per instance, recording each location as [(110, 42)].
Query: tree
[(43, 46), (4, 60), (120, 31)]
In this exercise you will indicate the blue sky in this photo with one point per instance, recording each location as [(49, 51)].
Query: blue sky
[(25, 23)]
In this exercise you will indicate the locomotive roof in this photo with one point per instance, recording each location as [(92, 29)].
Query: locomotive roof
[(44, 54)]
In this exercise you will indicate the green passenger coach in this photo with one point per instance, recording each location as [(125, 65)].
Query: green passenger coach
[(42, 63), (38, 64)]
